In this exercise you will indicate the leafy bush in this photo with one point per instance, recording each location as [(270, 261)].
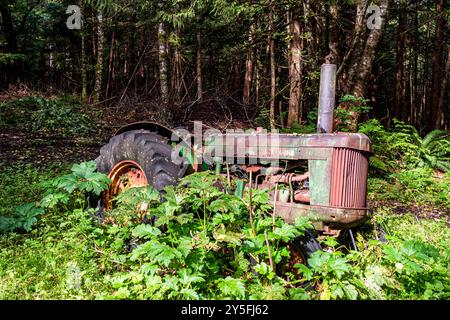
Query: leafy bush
[(416, 186), (23, 219), (53, 116), (201, 244), (403, 148), (82, 181), (348, 113)]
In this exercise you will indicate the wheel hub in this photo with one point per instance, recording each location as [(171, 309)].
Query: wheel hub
[(124, 175)]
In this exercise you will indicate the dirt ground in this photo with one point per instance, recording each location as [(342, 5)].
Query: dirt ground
[(39, 149)]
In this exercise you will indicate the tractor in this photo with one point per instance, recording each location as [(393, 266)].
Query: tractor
[(322, 176)]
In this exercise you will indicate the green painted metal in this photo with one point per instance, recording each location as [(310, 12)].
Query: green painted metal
[(190, 156), (218, 168), (319, 182), (239, 192)]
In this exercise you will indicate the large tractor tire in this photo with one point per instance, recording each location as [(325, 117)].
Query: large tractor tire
[(138, 158), (301, 249)]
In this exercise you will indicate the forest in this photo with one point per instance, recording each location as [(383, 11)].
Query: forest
[(92, 207)]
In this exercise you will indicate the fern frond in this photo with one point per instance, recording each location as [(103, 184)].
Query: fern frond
[(435, 135)]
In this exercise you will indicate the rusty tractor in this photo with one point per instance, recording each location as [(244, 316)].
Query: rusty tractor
[(322, 176)]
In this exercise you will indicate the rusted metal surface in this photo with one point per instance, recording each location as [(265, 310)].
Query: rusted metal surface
[(327, 96), (302, 196), (125, 174), (281, 146), (286, 178), (332, 216), (349, 178)]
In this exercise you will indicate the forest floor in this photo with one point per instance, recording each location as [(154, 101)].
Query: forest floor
[(20, 147)]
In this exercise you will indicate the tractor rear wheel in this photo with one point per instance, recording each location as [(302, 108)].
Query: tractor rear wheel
[(138, 158), (301, 249)]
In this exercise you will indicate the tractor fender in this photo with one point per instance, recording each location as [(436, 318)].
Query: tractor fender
[(164, 131), (147, 125)]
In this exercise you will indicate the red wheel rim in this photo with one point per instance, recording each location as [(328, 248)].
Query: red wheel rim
[(124, 175)]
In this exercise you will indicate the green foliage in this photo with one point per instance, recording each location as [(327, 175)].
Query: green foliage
[(11, 58), (52, 116), (263, 118), (342, 116), (199, 244), (355, 106), (21, 184), (403, 147), (417, 186), (82, 181), (24, 218), (56, 260)]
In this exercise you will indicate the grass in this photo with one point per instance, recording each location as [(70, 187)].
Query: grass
[(37, 265), (23, 183)]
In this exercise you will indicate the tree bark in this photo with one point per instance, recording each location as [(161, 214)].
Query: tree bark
[(436, 112), (333, 35), (99, 64), (83, 59), (295, 69), (83, 68), (8, 28), (273, 84), (249, 66), (177, 70), (414, 105), (364, 67), (346, 69), (357, 79), (444, 92), (163, 79), (400, 76), (198, 67), (110, 64)]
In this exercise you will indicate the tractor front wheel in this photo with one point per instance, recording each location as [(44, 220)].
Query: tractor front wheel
[(138, 158)]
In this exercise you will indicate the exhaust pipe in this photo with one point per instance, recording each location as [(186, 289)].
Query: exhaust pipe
[(327, 98)]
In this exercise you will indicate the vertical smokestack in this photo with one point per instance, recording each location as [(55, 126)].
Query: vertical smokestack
[(327, 94)]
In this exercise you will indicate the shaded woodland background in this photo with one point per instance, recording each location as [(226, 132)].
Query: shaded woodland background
[(180, 60)]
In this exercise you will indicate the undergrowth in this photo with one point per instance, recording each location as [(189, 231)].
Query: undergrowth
[(57, 117), (200, 244)]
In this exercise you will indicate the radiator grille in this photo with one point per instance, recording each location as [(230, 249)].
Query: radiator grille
[(348, 178)]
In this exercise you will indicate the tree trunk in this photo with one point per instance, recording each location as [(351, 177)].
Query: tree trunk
[(177, 70), (436, 112), (444, 93), (99, 64), (8, 28), (273, 85), (83, 58), (198, 67), (249, 66), (346, 69), (333, 34), (110, 64), (400, 76), (83, 68), (295, 69), (163, 81), (414, 105), (357, 80), (364, 67)]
